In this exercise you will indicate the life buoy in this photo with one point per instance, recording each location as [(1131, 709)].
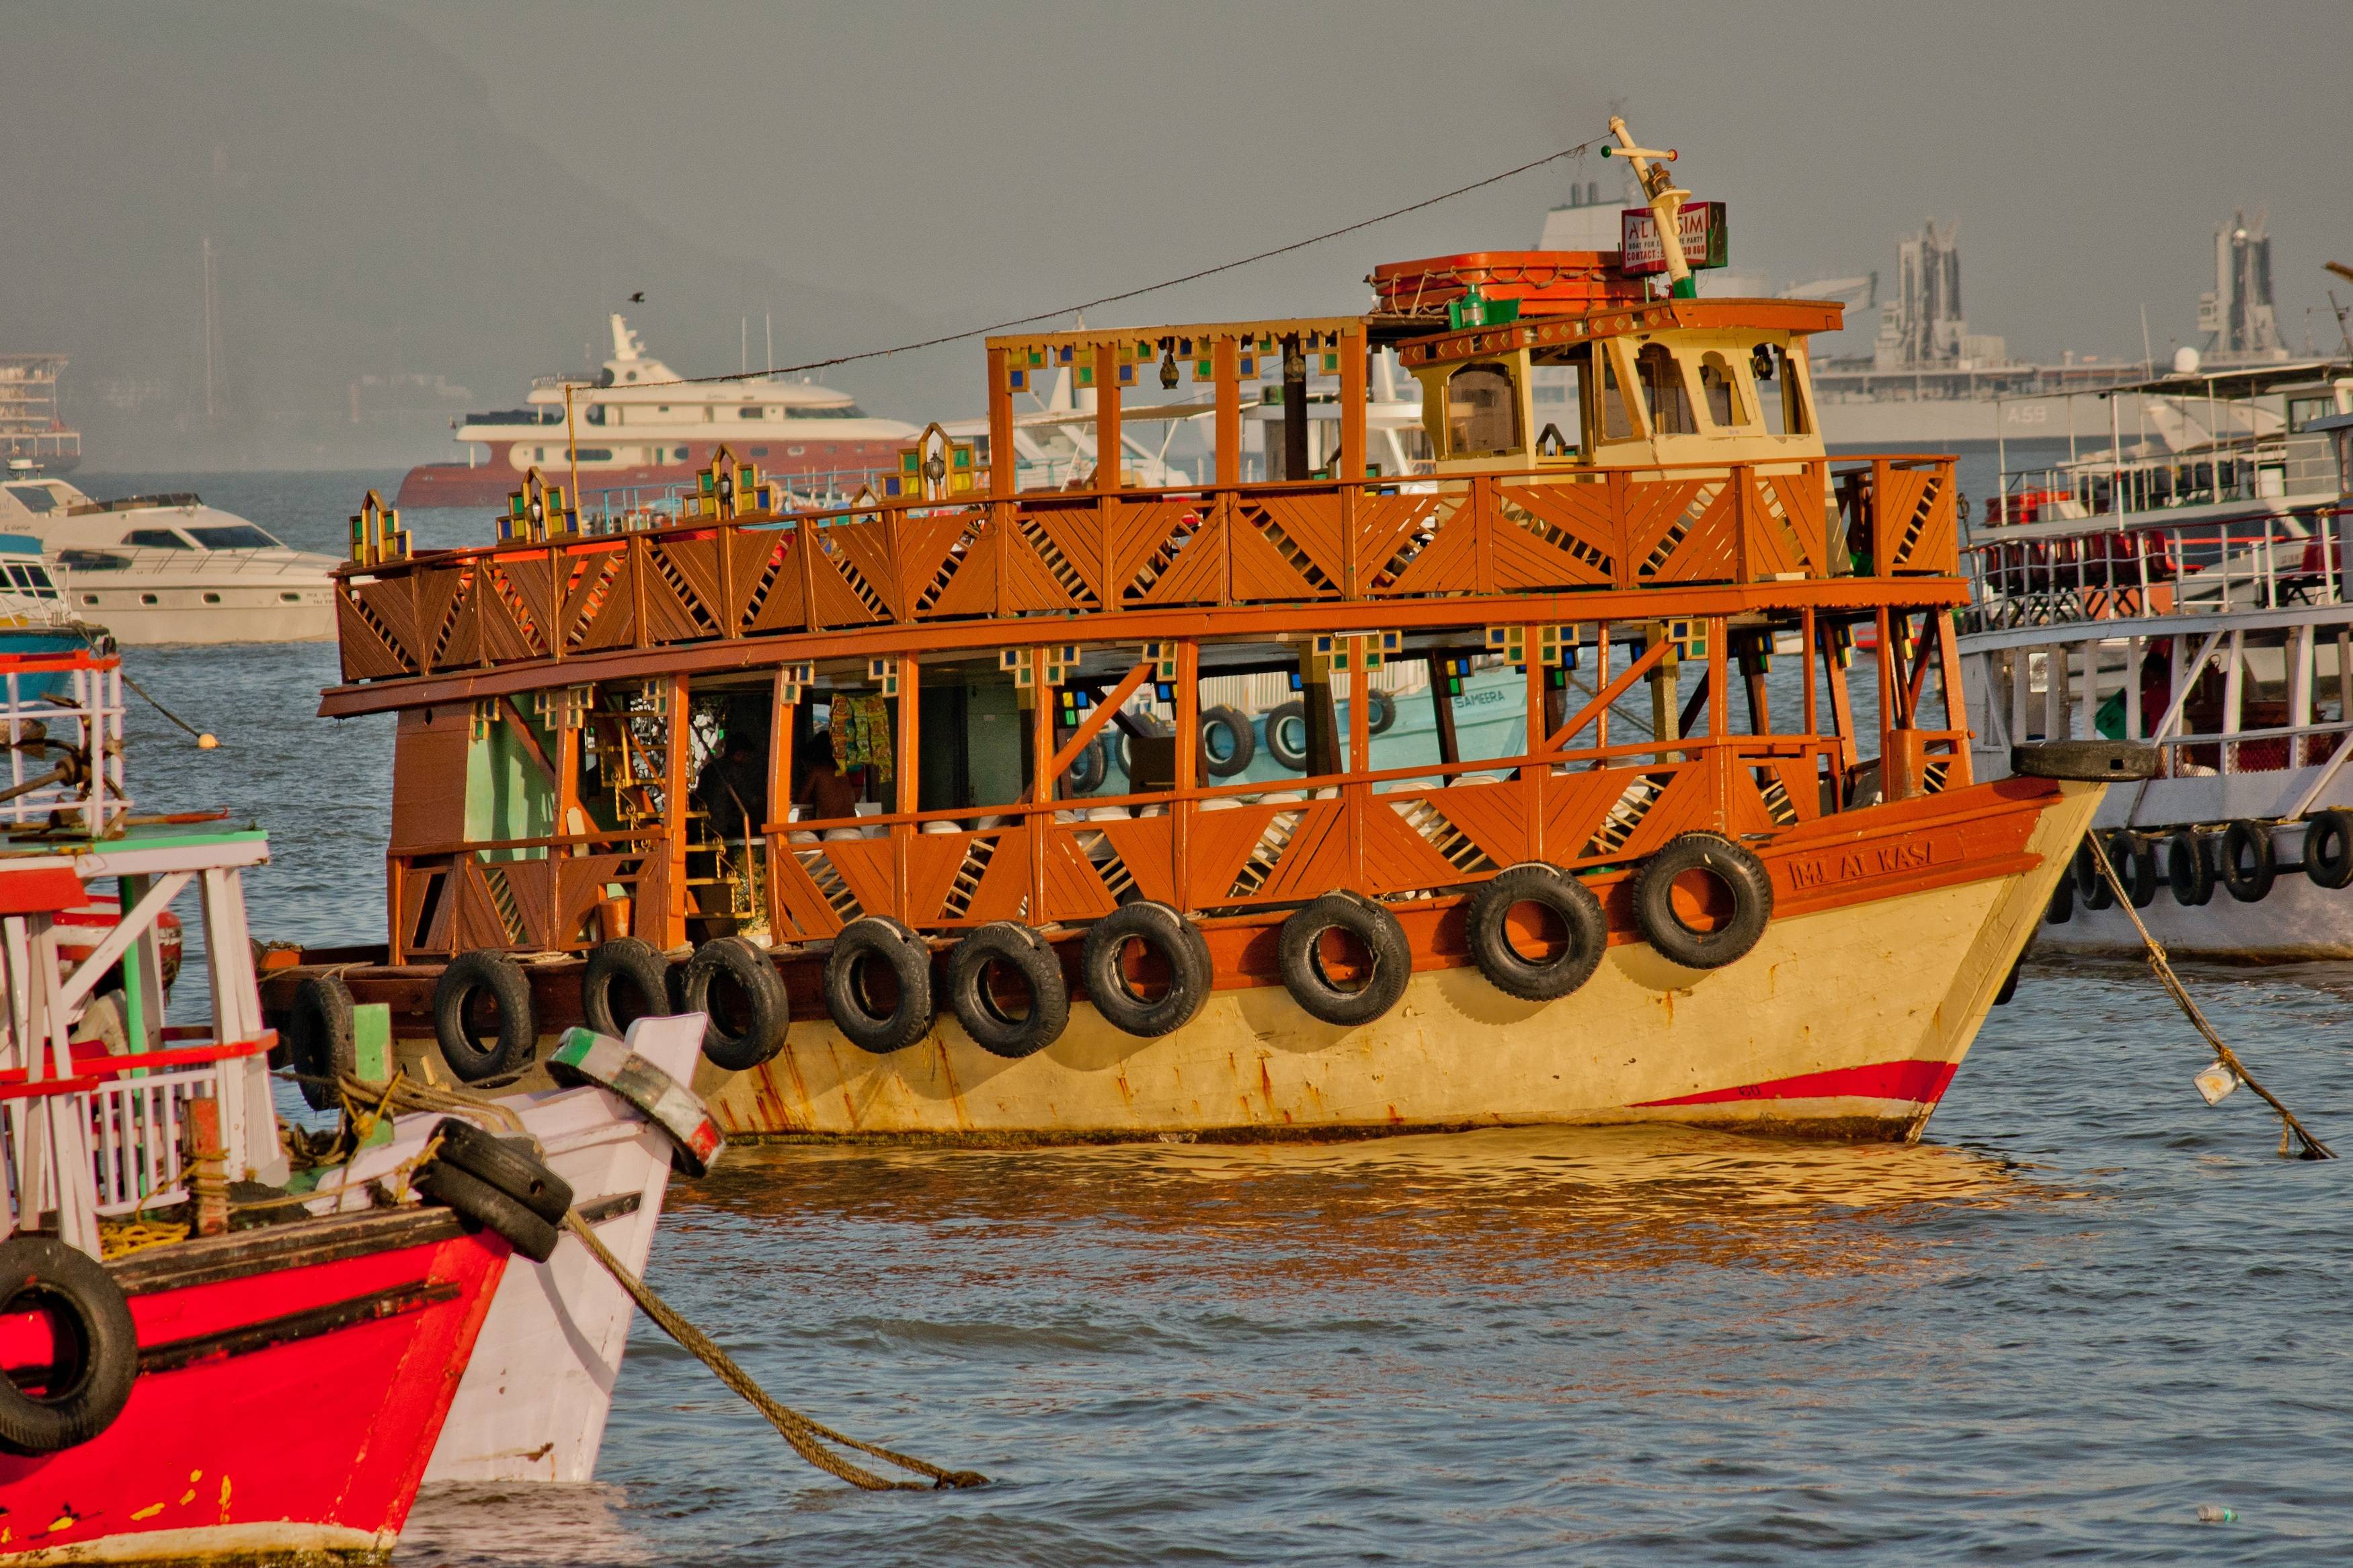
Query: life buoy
[(624, 980), (1165, 941), (95, 1347), (1286, 734), (472, 981), (2247, 861), (319, 1043), (2134, 859), (732, 983), (2328, 848), (2089, 886), (506, 1163), (1380, 712), (1011, 1029), (1743, 878), (1312, 981), (1510, 970), (877, 984), (1228, 744), (2189, 868)]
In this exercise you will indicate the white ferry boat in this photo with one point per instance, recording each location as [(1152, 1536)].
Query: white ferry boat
[(2195, 598), (638, 426), (170, 569)]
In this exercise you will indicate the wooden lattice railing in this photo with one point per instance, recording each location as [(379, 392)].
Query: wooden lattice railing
[(1103, 554)]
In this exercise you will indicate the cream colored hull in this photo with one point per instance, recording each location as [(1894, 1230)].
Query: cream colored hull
[(1846, 1022)]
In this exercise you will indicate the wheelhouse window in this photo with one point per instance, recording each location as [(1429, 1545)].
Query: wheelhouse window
[(1770, 362), (1664, 391), (1617, 424), (1482, 412), (1557, 378), (1720, 385), (157, 539)]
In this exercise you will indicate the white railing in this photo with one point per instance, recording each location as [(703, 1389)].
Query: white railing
[(61, 722), (135, 1136), (2265, 563)]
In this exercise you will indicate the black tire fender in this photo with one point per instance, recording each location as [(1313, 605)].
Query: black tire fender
[(2328, 848), (2247, 862), (98, 1346), (1278, 745), (995, 1031), (1181, 949), (2062, 908), (1301, 959), (319, 1043), (1241, 742), (734, 985), (878, 939), (2189, 868), (470, 976), (1504, 966), (1737, 869), (1380, 712), (1086, 772), (510, 1164), (625, 970), (483, 1205), (2091, 887), (2135, 859)]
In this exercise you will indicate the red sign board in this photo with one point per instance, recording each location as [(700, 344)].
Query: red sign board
[(1700, 224)]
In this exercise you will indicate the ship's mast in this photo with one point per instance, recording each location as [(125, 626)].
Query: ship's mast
[(1666, 203)]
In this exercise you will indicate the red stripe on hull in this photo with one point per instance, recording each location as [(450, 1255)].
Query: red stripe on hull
[(1919, 1082), (274, 1407)]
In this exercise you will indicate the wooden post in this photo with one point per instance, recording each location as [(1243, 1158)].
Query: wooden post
[(1350, 464), (678, 756), (1225, 364), (1600, 682), (778, 808), (1963, 771), (1042, 783), (910, 779), (1719, 718), (1449, 748), (1663, 714), (1182, 808), (1003, 462), (1108, 449), (1323, 718), (1537, 773), (1294, 410)]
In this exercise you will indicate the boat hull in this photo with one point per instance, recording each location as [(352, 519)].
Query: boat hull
[(190, 623), (430, 485), (292, 1382), (536, 1393), (1847, 1020)]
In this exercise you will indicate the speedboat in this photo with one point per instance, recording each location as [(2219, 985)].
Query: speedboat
[(170, 569)]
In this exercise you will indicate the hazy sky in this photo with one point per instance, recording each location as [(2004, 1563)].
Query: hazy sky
[(974, 159), (414, 205)]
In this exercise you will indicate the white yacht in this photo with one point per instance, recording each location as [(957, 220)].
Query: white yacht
[(170, 569), (639, 426)]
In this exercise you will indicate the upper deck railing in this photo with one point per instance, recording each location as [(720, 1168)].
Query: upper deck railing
[(1058, 555)]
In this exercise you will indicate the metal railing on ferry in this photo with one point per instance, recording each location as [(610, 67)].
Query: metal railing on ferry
[(2266, 561)]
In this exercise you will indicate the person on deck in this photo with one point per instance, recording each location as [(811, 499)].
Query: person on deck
[(733, 790), (826, 791)]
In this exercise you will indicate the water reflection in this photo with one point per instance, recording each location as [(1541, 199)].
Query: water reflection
[(1459, 1207)]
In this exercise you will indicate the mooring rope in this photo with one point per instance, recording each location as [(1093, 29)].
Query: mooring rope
[(807, 1437), (2313, 1149)]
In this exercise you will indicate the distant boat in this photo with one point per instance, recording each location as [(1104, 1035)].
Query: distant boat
[(168, 568), (30, 429), (638, 425)]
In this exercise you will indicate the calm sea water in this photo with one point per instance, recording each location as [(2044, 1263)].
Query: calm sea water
[(2083, 1306)]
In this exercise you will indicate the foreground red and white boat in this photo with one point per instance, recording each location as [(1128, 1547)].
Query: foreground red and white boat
[(533, 1404), (178, 1391)]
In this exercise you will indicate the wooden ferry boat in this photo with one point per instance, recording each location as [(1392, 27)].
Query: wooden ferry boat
[(816, 768)]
